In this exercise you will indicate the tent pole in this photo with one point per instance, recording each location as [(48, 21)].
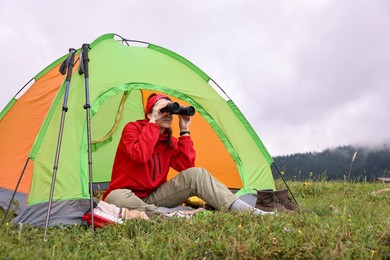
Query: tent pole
[(16, 189), (83, 69), (288, 188), (66, 65)]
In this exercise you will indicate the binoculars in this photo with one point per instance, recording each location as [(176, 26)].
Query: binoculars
[(175, 108)]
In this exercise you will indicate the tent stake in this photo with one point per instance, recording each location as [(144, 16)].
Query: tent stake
[(66, 65), (84, 69)]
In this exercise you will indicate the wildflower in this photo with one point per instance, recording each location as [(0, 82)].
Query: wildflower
[(282, 172), (286, 229), (306, 183)]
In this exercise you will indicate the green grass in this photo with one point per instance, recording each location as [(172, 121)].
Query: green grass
[(345, 221)]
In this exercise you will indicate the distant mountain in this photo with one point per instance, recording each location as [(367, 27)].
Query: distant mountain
[(334, 164)]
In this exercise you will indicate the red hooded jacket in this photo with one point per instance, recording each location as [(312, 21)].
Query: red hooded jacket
[(143, 158)]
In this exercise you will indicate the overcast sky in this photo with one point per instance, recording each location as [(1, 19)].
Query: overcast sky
[(308, 75)]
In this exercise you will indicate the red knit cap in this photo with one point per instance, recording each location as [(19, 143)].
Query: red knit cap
[(153, 101)]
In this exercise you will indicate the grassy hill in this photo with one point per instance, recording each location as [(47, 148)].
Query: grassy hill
[(346, 220)]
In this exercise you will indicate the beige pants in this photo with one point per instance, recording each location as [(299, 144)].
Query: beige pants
[(191, 182)]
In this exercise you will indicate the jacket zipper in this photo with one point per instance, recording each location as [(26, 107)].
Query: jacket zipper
[(154, 169), (159, 163)]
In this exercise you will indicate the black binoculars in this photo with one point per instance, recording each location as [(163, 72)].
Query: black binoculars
[(175, 108)]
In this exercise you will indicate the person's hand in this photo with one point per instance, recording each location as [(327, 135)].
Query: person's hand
[(156, 114), (184, 123)]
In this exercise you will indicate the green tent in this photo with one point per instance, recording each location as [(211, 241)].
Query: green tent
[(122, 73)]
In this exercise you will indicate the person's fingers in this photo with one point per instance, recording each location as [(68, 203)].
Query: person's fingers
[(160, 104)]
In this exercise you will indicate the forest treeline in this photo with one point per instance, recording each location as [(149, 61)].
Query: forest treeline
[(357, 163)]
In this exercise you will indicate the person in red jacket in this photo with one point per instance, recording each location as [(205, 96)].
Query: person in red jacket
[(144, 155)]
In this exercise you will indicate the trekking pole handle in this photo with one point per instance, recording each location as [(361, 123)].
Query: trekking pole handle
[(85, 59), (70, 63), (67, 62)]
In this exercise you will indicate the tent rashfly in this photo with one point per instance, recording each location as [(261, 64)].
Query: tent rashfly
[(121, 77)]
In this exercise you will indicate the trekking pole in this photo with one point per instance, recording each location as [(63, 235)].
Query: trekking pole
[(83, 69), (288, 188), (66, 65)]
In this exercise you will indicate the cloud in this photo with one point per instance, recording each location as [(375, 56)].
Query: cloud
[(308, 75)]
